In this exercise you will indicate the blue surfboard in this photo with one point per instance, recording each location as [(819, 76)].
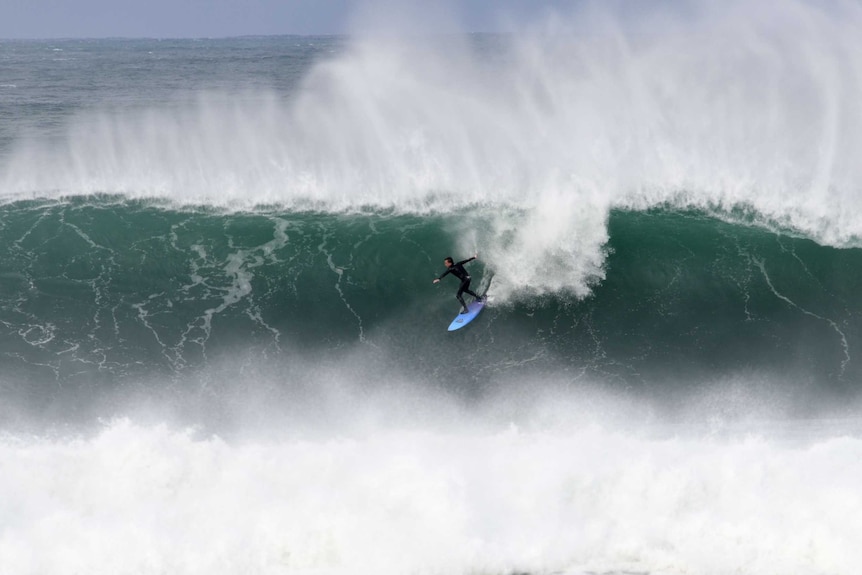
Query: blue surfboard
[(463, 319)]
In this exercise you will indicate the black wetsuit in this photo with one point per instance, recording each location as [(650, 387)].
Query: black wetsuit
[(459, 272)]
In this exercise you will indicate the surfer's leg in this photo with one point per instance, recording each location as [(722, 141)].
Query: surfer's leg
[(464, 308), (465, 288), (460, 298)]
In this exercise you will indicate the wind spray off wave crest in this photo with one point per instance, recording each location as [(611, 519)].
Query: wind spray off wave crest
[(720, 107)]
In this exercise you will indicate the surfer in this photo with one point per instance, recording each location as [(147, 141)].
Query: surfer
[(459, 272)]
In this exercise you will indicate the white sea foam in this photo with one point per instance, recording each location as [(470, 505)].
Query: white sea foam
[(721, 106), (139, 500)]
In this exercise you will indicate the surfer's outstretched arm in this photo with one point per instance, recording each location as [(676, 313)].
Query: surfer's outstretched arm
[(442, 276)]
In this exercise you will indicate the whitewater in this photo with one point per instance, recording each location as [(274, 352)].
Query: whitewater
[(222, 351)]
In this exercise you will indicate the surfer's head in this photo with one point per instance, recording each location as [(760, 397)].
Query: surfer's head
[(449, 262)]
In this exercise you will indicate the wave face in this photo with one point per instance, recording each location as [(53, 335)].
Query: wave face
[(107, 291), (216, 305)]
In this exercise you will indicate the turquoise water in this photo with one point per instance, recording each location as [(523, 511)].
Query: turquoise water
[(98, 292)]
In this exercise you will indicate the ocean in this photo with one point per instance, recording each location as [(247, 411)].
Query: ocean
[(222, 351)]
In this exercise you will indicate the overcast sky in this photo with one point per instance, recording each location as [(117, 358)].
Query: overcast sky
[(218, 18)]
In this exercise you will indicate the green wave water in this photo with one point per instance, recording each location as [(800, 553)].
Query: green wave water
[(101, 293)]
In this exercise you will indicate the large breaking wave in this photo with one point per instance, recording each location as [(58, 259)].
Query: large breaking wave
[(216, 305)]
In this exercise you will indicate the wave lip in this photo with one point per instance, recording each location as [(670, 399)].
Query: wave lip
[(726, 106)]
